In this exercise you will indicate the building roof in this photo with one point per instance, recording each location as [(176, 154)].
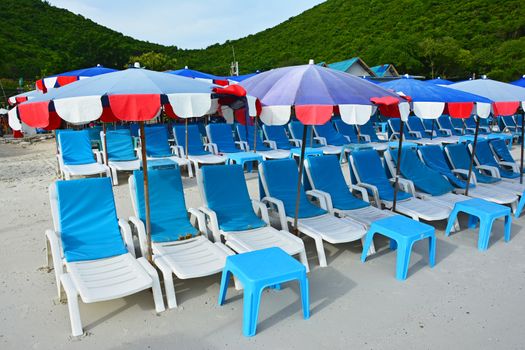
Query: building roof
[(381, 70), (345, 65)]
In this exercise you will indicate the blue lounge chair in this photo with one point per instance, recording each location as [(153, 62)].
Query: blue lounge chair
[(346, 130), (279, 181), (92, 251), (221, 137), (503, 155), (510, 124), (412, 136), (326, 178), (329, 136), (446, 126), (121, 154), (459, 157), (178, 247), (246, 135), (368, 172), (158, 147), (296, 130), (416, 126), (94, 136), (368, 132), (198, 153), (232, 214), (75, 156), (434, 158), (470, 124), (277, 138)]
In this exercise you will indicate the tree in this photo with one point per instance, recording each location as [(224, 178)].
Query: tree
[(154, 61)]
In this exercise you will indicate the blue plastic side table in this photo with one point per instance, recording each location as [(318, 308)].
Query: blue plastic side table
[(403, 232), (157, 164), (243, 158), (308, 151), (485, 212), (258, 270)]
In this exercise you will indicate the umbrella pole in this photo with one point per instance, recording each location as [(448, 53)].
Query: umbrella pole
[(472, 156), (301, 166), (255, 136), (522, 134), (399, 148), (311, 135), (186, 138), (358, 134), (432, 132), (146, 189), (105, 144)]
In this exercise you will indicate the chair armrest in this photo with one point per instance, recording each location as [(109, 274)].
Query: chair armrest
[(211, 147), (375, 192), (445, 132), (213, 222), (484, 128), (295, 142), (362, 191), (416, 134), (347, 139), (365, 137), (200, 218), (97, 155), (243, 145), (325, 201), (261, 210), (140, 227), (178, 151), (492, 170), (321, 140), (125, 231), (405, 185), (272, 144), (280, 210), (394, 136), (514, 166), (465, 173)]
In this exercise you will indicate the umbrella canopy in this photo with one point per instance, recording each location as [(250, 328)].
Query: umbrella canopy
[(16, 99), (195, 74), (63, 79), (239, 78), (439, 81), (314, 91), (430, 101), (519, 82), (506, 98)]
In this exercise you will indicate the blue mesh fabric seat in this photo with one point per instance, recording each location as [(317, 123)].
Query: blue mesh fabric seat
[(445, 123), (246, 134), (331, 135), (120, 145), (470, 123), (416, 124), (368, 129), (75, 147), (460, 158), (297, 128), (169, 218), (226, 193), (435, 159), (371, 171), (501, 150), (485, 156), (88, 221), (157, 143), (277, 134), (346, 130), (94, 133), (195, 145), (395, 126), (221, 135)]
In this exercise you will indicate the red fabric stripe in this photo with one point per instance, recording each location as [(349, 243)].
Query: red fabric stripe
[(138, 107), (107, 116), (235, 90), (20, 99), (35, 114), (54, 121), (459, 109), (314, 114), (168, 109), (64, 80), (505, 108), (17, 134), (388, 106), (40, 85), (221, 82)]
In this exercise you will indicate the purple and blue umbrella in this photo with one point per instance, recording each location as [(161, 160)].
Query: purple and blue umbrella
[(439, 81), (519, 82)]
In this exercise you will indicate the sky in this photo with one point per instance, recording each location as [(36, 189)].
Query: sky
[(188, 24)]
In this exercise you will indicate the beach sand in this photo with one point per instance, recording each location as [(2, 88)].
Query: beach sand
[(470, 299)]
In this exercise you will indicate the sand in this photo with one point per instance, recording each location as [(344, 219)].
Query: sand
[(470, 299)]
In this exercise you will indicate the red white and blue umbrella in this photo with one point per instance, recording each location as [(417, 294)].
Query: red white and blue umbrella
[(313, 92), (195, 74), (439, 81), (62, 79), (519, 82)]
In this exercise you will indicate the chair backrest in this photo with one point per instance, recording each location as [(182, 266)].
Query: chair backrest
[(195, 145), (395, 126), (277, 133), (445, 123), (75, 147), (168, 215), (517, 120), (470, 122), (279, 179), (221, 135), (332, 137), (134, 129), (508, 121), (94, 133), (424, 178), (369, 169), (296, 130), (120, 145), (416, 124), (456, 122), (246, 133), (501, 150), (347, 130), (434, 158), (429, 124), (87, 219), (157, 143), (325, 174), (368, 129), (223, 189), (484, 154), (459, 157)]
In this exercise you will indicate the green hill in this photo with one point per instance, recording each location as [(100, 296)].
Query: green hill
[(450, 38)]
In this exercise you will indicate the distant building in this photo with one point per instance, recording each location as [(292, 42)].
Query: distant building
[(385, 70), (355, 66)]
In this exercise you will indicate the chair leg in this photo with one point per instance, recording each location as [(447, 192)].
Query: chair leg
[(320, 251), (114, 176), (304, 259), (155, 286), (72, 305), (369, 241), (403, 260), (508, 225), (224, 285), (451, 220), (305, 296), (169, 287), (519, 209)]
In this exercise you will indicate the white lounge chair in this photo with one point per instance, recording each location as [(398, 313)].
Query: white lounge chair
[(120, 151)]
